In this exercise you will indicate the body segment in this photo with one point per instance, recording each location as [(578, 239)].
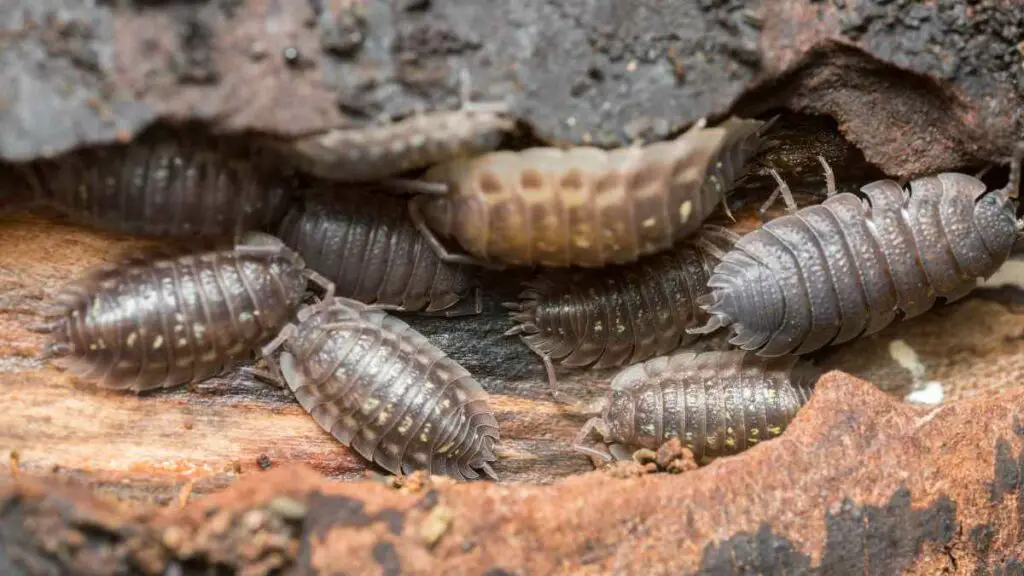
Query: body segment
[(715, 403), (170, 183), (379, 152), (829, 273), (622, 314), (584, 206), (366, 245), (155, 324), (383, 389)]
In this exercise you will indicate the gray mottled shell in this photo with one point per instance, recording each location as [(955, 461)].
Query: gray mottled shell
[(585, 206), (382, 388), (168, 183), (159, 323), (377, 152), (716, 403), (842, 269), (366, 244), (620, 314)]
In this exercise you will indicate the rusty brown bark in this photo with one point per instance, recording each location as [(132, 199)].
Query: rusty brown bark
[(858, 484)]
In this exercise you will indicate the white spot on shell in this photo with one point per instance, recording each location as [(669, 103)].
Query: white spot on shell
[(649, 223), (158, 342), (685, 209), (132, 338)]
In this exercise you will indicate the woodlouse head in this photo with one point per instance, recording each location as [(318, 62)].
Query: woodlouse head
[(288, 266)]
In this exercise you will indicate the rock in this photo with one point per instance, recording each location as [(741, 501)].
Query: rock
[(858, 483), (918, 87)]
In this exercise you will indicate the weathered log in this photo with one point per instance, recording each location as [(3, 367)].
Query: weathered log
[(859, 483)]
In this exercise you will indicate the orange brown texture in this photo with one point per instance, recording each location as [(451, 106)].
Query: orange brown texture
[(858, 484)]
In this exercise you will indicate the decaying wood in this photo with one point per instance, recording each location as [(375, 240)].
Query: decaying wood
[(209, 435), (859, 483)]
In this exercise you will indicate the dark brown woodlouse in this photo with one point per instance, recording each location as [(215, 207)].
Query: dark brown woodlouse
[(582, 206), (365, 244), (620, 314), (716, 403), (382, 388), (159, 322), (381, 151), (167, 183), (827, 274)]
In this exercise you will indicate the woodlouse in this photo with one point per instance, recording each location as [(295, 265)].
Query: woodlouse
[(380, 152), (366, 245), (159, 322), (829, 273), (168, 183), (716, 403), (382, 388), (622, 314), (583, 206)]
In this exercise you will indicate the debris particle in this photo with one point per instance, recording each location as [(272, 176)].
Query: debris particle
[(436, 524), (929, 394), (674, 458), (263, 461), (288, 508), (186, 492), (15, 460), (906, 357), (644, 456)]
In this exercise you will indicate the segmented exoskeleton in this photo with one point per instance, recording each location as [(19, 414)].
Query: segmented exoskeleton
[(379, 152), (583, 206), (620, 314), (716, 403), (366, 245), (829, 273), (157, 323), (382, 388), (167, 183)]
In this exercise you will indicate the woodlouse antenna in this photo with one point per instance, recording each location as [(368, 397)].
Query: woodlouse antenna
[(420, 222), (1013, 185)]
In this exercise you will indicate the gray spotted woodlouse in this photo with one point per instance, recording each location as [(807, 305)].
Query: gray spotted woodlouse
[(383, 389), (716, 403), (381, 151), (365, 244), (583, 206), (167, 183), (159, 322), (827, 274), (621, 314)]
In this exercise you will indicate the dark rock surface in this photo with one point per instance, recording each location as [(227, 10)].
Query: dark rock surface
[(919, 87)]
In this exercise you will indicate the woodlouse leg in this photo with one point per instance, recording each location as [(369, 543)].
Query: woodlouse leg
[(442, 253), (549, 366), (321, 281), (830, 177), (44, 328), (787, 194), (592, 425), (466, 97), (768, 204), (981, 173), (267, 376)]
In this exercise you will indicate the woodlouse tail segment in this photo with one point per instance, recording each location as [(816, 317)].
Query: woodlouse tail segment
[(488, 471), (717, 319), (582, 445)]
